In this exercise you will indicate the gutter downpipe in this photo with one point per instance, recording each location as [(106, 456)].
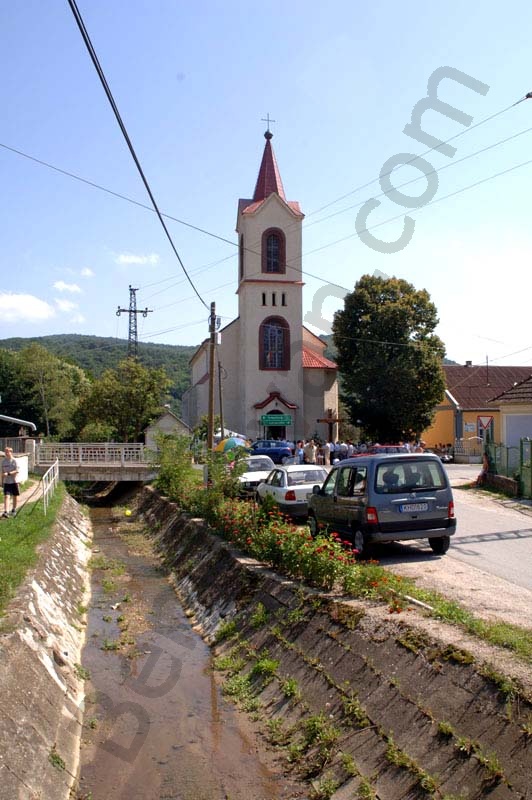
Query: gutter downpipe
[(458, 416)]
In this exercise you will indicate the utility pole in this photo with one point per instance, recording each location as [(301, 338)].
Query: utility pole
[(132, 341), (222, 374), (212, 348)]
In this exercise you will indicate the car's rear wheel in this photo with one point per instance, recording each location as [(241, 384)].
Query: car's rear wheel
[(312, 522), (440, 544)]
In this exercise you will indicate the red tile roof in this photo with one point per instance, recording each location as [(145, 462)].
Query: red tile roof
[(519, 393), (275, 396), (312, 360), (474, 386), (269, 179), (250, 206)]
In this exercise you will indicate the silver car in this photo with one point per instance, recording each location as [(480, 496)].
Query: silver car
[(385, 498)]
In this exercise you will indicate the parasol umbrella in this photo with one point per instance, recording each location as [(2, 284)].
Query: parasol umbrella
[(229, 444)]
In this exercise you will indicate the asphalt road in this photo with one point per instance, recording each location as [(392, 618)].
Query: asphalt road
[(493, 535)]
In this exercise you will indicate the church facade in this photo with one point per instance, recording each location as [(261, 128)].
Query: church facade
[(276, 381)]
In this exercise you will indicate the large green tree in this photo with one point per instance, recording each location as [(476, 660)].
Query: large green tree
[(389, 358), (124, 400), (49, 390)]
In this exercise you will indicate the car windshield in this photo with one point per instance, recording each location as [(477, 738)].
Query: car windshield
[(409, 476), (306, 476), (259, 465)]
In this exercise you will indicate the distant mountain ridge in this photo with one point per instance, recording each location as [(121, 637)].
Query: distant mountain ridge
[(95, 354)]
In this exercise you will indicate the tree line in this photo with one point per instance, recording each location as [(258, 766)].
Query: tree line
[(67, 404), (388, 354)]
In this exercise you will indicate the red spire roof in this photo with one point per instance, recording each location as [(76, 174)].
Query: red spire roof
[(269, 179)]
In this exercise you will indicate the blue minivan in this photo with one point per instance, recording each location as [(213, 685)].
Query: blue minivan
[(386, 498)]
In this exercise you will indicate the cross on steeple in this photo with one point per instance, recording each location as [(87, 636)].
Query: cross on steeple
[(267, 120)]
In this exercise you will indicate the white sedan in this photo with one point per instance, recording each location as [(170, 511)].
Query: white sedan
[(257, 469), (290, 485)]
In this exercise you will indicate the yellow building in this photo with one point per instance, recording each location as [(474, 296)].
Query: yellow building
[(465, 411)]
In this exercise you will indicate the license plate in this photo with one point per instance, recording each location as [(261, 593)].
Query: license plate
[(412, 507)]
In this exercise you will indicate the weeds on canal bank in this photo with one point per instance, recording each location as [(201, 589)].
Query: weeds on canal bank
[(19, 539), (326, 561)]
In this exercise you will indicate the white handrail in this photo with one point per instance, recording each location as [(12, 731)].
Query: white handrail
[(49, 482)]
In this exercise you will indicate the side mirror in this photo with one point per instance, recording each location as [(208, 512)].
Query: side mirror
[(316, 489)]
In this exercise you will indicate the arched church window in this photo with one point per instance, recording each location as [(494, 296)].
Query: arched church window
[(273, 251), (274, 344)]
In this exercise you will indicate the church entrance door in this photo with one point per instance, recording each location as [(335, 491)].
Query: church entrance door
[(276, 432)]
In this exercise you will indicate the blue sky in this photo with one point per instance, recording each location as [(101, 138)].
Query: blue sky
[(192, 82)]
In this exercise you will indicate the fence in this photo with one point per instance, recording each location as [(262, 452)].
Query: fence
[(49, 482), (513, 462), (469, 449), (526, 467), (16, 443), (91, 453)]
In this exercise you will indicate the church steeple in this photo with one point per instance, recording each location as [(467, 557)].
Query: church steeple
[(269, 179)]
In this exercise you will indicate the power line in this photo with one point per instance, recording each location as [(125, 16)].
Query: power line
[(411, 161), (103, 80), (425, 175), (422, 208), (247, 248)]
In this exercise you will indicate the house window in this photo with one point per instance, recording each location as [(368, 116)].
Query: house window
[(273, 251), (274, 344), (264, 298)]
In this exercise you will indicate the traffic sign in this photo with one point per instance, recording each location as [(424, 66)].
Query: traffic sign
[(276, 419)]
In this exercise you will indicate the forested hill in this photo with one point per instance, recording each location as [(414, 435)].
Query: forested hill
[(94, 354)]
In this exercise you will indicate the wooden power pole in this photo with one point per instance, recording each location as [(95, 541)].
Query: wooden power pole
[(212, 350)]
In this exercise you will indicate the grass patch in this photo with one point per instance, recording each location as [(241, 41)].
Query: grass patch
[(113, 565), (227, 630), (82, 673), (110, 644), (19, 539), (55, 759), (290, 688), (260, 616)]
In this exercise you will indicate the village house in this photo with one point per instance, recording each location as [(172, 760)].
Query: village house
[(466, 411)]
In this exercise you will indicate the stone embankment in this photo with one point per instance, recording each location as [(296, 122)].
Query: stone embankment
[(363, 703), (41, 685)]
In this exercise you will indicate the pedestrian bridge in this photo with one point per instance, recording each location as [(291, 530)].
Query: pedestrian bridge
[(107, 461)]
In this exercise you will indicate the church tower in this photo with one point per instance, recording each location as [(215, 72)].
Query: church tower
[(278, 383), (270, 303)]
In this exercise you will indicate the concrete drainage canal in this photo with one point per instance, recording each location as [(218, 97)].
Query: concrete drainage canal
[(156, 726)]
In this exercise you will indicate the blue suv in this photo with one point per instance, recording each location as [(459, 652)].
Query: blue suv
[(279, 452)]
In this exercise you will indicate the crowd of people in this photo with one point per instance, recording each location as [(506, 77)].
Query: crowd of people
[(314, 451)]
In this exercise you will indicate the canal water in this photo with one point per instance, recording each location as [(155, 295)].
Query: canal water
[(156, 725)]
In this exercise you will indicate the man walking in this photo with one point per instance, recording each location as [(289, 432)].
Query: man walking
[(10, 483)]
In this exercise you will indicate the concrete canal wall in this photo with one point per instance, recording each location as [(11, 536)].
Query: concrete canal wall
[(41, 688), (363, 703)]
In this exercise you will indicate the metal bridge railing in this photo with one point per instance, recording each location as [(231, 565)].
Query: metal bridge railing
[(87, 454)]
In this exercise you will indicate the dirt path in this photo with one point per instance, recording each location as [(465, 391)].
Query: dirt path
[(156, 726)]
